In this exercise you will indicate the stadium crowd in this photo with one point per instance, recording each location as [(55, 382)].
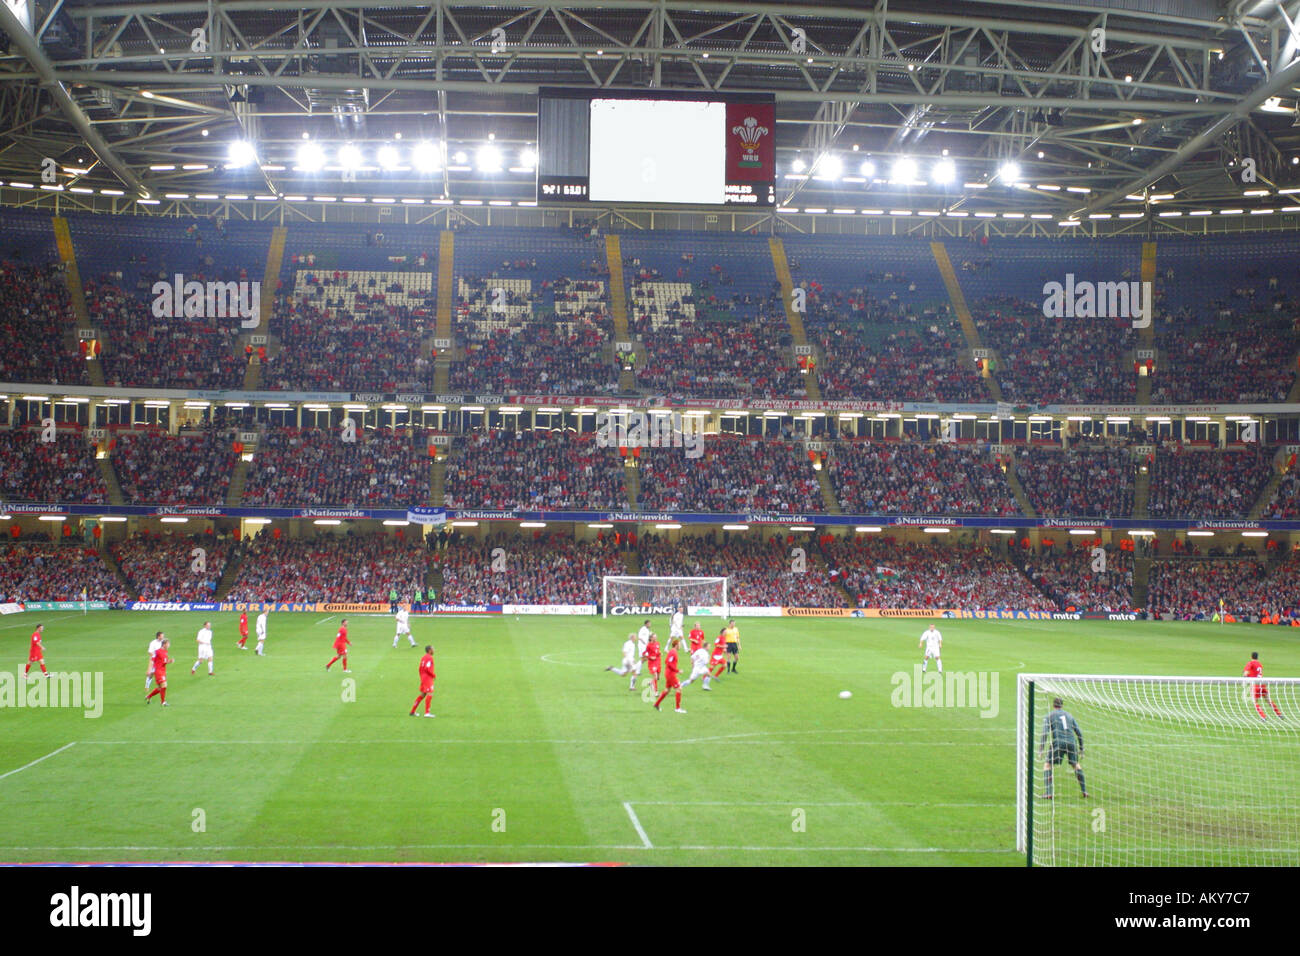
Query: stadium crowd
[(1191, 588), (1249, 360), (156, 468), (920, 364), (531, 471), (309, 466), (1069, 580), (163, 567), (761, 571), (547, 356), (1080, 482), (545, 569), (1047, 360), (919, 478), (148, 351), (376, 348), (878, 348), (730, 354), (1207, 484), (733, 474), (349, 567), (35, 317), (882, 572), (42, 571), (1285, 503), (62, 470)]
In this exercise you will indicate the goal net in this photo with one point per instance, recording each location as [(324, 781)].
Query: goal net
[(1179, 771), (658, 595)]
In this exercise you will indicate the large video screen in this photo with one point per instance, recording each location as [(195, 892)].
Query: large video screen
[(631, 147)]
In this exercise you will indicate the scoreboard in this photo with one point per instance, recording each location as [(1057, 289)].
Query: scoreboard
[(631, 146)]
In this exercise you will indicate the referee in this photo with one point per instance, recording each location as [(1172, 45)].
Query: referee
[(733, 645), (1064, 731)]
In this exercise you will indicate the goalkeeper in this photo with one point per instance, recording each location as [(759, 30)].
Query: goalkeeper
[(1064, 731)]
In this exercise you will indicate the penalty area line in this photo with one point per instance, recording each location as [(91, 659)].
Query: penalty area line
[(53, 753), (636, 825)]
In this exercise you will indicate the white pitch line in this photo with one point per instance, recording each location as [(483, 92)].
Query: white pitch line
[(547, 658), (478, 742), (636, 825), (339, 846), (805, 803), (54, 753), (839, 849), (525, 846), (330, 618)]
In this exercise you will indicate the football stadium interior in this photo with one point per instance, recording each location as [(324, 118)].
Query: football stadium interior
[(985, 314)]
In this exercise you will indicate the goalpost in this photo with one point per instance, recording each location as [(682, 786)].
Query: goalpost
[(657, 595), (1180, 771)]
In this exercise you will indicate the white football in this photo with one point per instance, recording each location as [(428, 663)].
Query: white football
[(845, 694)]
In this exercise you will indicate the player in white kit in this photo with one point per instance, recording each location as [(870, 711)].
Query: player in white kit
[(933, 641), (153, 649), (675, 626), (699, 666), (403, 626), (640, 639), (261, 633), (643, 636), (204, 640), (631, 661)]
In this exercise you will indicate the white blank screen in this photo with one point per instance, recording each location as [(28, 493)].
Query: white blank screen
[(658, 151)]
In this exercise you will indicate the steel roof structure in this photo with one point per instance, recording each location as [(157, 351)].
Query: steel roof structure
[(1123, 106)]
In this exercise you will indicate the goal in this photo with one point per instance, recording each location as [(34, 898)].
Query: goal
[(657, 595), (1180, 771)]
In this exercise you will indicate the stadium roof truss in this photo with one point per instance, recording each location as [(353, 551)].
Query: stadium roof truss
[(1116, 104)]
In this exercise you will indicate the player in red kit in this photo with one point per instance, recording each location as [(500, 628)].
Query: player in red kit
[(243, 631), (36, 655), (1255, 669), (651, 655), (341, 643), (718, 659), (426, 683), (697, 637), (671, 679), (160, 662)]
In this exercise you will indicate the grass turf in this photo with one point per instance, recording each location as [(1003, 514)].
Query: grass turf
[(538, 754)]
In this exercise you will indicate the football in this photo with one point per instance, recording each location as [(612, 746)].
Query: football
[(845, 694)]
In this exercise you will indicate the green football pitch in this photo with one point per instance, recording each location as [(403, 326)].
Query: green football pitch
[(538, 754)]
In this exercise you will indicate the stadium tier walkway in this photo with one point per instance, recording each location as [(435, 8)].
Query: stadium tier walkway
[(446, 290), (782, 265), (618, 306), (1147, 336), (270, 279), (72, 275), (962, 311)]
